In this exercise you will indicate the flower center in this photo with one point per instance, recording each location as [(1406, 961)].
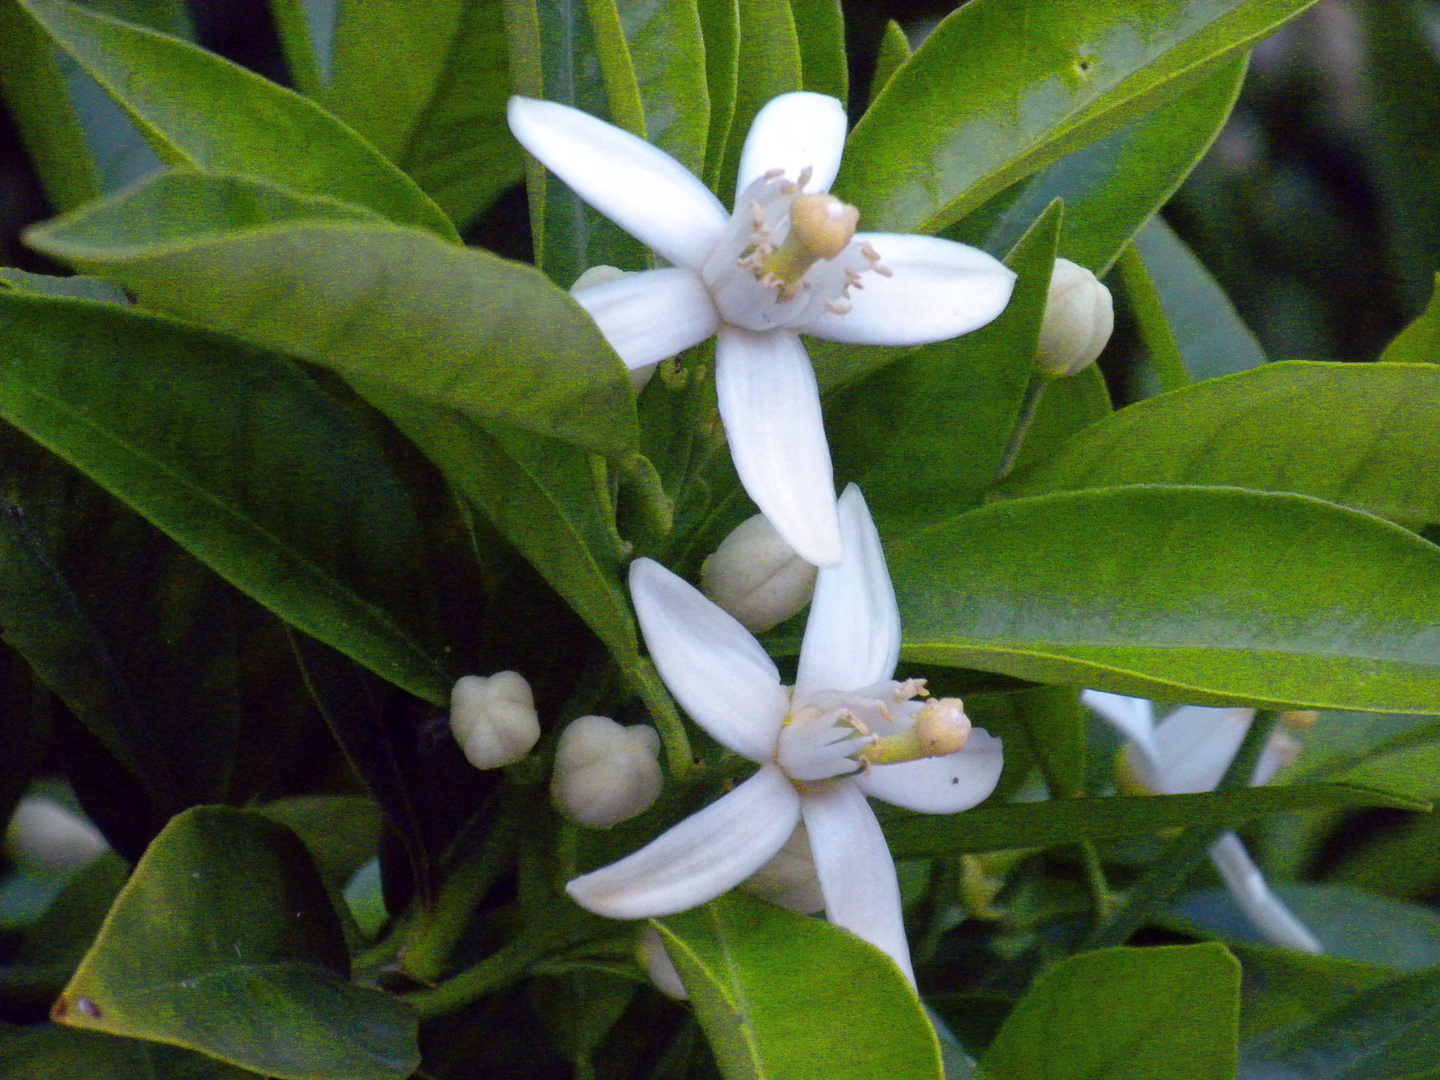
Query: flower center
[(837, 733), (787, 256)]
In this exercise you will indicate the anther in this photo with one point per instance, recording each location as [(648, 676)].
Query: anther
[(836, 308)]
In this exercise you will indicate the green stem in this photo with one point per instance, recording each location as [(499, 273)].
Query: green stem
[(1160, 345), (496, 971), (648, 684), (1100, 898), (600, 478), (1024, 417)]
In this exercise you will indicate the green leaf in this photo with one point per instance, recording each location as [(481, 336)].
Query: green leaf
[(395, 306), (947, 133), (1273, 428), (720, 27), (925, 435), (1115, 185), (776, 993), (769, 65), (1418, 343), (894, 51), (820, 31), (1190, 594), (55, 1052), (1282, 989), (1208, 331), (309, 521), (74, 287), (667, 54), (1387, 1032), (201, 110), (1167, 367), (224, 941), (1067, 821), (541, 496), (1168, 1011)]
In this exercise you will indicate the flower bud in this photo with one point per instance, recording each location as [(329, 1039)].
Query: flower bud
[(603, 275), (493, 719), (1079, 317), (605, 773), (757, 577), (45, 833), (650, 954)]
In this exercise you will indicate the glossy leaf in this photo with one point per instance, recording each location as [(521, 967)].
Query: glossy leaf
[(1112, 187), (204, 111), (456, 325), (312, 524), (1191, 594), (1167, 1011), (769, 62), (1387, 1032), (1274, 428), (894, 51), (947, 133), (667, 57), (1208, 331), (224, 909), (820, 32), (751, 970), (1068, 821)]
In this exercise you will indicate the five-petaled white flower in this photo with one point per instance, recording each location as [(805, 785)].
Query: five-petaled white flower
[(1187, 753), (787, 262), (843, 732)]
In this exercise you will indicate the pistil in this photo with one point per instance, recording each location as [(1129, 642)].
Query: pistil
[(821, 226), (940, 728)]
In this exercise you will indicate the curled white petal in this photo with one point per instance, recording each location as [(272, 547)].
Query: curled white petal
[(708, 853), (940, 785), (1196, 745), (788, 880), (650, 316), (770, 404), (794, 132), (852, 637), (650, 953), (639, 187), (937, 290), (856, 872), (1134, 718), (719, 673), (1262, 907)]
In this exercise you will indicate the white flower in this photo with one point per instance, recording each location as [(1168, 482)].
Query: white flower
[(1079, 319), (843, 732), (605, 772), (756, 576), (1187, 753), (493, 719), (787, 262)]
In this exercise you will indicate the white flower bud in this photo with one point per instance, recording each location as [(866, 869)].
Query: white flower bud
[(757, 577), (605, 773), (651, 955), (1079, 318), (44, 832), (603, 275), (493, 719)]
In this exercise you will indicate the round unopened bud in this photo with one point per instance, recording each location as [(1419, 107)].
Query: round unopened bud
[(493, 719), (603, 275), (605, 773), (44, 832), (1079, 318), (757, 577), (650, 954)]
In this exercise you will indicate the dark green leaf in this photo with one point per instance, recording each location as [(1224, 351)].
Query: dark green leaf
[(204, 111), (1418, 343), (55, 1052), (1280, 988), (667, 55), (1167, 1012), (395, 306), (769, 65), (1067, 821), (1192, 594), (224, 941), (776, 993), (1274, 428), (310, 522), (75, 287), (820, 31), (948, 132)]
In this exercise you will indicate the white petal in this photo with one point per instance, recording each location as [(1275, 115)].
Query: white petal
[(794, 132), (651, 316), (937, 290), (708, 853), (1262, 907), (716, 670), (1134, 717), (943, 785), (857, 874), (1196, 746), (639, 187), (771, 408), (852, 635)]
